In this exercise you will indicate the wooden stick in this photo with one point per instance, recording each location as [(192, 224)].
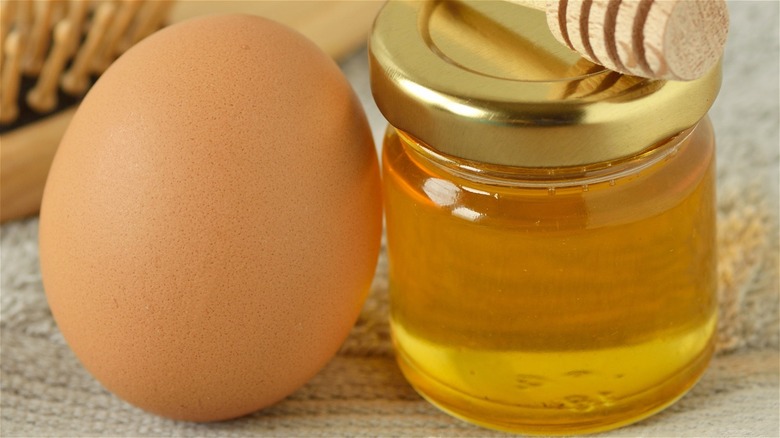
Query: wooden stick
[(122, 20), (9, 107), (43, 97), (38, 43), (25, 15), (7, 14), (76, 80), (77, 12)]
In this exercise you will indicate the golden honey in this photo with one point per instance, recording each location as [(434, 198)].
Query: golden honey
[(550, 224), (569, 305)]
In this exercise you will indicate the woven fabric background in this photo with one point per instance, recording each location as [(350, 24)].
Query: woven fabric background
[(45, 391)]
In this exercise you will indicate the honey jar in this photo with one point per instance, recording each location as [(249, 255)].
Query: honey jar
[(550, 223)]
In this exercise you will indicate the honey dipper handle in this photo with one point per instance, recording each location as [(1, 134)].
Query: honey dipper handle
[(660, 39)]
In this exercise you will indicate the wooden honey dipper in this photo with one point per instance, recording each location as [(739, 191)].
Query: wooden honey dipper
[(660, 39)]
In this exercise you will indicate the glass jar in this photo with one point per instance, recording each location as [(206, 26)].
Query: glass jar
[(550, 224)]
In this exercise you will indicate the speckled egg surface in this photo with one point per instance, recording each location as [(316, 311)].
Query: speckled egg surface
[(211, 222)]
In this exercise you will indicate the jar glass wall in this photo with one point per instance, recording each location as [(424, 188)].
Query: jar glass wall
[(552, 300)]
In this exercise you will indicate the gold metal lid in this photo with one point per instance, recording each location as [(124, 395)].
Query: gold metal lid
[(486, 81)]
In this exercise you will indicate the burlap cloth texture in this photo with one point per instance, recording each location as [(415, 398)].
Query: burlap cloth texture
[(46, 392)]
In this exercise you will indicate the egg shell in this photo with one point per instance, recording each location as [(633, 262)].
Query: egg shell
[(211, 222)]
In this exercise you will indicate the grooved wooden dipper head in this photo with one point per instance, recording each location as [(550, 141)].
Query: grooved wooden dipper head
[(660, 39)]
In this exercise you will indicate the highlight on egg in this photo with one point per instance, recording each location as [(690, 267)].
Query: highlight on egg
[(211, 222)]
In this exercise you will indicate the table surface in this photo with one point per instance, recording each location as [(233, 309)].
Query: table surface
[(45, 392)]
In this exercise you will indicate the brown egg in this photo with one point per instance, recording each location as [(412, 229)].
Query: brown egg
[(211, 222)]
